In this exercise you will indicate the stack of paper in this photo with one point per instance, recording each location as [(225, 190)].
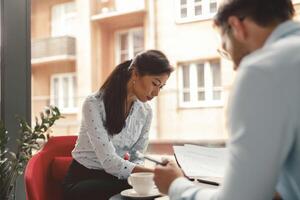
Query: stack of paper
[(200, 162)]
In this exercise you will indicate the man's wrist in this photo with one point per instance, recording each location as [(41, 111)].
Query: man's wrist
[(173, 188)]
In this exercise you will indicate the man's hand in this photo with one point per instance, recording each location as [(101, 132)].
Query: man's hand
[(165, 175)]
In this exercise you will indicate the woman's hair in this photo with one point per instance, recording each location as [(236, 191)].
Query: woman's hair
[(151, 62)]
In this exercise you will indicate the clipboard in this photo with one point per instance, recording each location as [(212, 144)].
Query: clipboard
[(199, 179), (211, 159)]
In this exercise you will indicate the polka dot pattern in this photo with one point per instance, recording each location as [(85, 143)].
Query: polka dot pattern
[(95, 149)]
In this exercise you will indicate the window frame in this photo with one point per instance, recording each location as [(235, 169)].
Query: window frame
[(191, 17), (193, 85), (130, 43), (15, 81), (72, 93), (64, 17), (296, 2)]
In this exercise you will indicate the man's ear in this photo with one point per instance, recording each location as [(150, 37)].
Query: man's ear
[(238, 28)]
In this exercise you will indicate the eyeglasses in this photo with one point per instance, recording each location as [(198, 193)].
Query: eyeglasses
[(227, 30), (224, 54)]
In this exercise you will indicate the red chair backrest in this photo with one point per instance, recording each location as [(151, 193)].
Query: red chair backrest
[(46, 169)]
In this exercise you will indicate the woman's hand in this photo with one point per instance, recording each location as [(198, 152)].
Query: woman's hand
[(140, 168)]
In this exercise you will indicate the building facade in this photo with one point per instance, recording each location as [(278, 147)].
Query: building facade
[(76, 44)]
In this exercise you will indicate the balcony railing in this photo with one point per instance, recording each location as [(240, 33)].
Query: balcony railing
[(53, 49), (66, 106)]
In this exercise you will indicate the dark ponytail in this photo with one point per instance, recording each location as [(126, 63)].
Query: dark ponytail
[(151, 62), (114, 97)]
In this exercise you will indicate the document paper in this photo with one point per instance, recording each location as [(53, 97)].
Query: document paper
[(200, 162)]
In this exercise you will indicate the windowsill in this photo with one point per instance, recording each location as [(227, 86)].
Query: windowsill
[(69, 111), (194, 19), (165, 146), (201, 105), (50, 59), (115, 13)]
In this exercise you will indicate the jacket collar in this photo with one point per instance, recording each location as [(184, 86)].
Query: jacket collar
[(282, 30)]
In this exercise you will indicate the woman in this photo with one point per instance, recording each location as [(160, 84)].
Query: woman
[(116, 121)]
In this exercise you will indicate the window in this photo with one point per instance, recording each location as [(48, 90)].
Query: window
[(63, 21), (63, 92), (183, 8), (190, 10), (296, 1), (200, 84), (128, 44)]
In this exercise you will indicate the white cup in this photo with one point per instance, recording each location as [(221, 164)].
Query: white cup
[(142, 182)]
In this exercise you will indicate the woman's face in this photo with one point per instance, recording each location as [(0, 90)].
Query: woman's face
[(147, 87)]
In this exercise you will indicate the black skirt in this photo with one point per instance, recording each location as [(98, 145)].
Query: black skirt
[(90, 184)]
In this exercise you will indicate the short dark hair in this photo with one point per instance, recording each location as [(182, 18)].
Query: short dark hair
[(262, 12), (114, 89)]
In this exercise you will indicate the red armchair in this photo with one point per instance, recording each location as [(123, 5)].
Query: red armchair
[(46, 170)]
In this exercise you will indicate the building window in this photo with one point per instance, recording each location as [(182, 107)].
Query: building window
[(128, 44), (200, 84), (190, 10), (63, 21), (63, 92), (296, 1)]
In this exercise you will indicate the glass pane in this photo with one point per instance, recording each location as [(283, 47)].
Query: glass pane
[(116, 39), (138, 40), (182, 2), (201, 96), (213, 7), (56, 21), (186, 76), (217, 95), (183, 12), (70, 7), (200, 75), (186, 96), (74, 79), (136, 51), (124, 41), (63, 19), (71, 26), (216, 74), (65, 92), (198, 10), (55, 92), (124, 57)]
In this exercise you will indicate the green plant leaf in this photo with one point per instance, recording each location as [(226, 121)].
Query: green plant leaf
[(13, 164)]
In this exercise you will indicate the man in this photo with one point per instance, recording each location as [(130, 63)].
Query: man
[(264, 112)]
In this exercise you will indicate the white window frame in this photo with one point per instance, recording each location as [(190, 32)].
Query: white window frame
[(130, 43), (72, 96), (191, 11), (58, 31), (193, 86), (296, 1)]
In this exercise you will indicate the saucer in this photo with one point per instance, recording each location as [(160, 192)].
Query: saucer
[(132, 194)]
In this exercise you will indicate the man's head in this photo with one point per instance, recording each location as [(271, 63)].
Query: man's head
[(245, 25)]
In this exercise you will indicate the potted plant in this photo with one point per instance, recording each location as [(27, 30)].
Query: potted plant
[(12, 164)]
